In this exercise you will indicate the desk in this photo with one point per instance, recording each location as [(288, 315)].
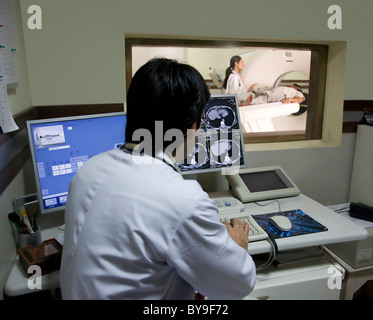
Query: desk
[(339, 230), (304, 281), (16, 284), (308, 281), (354, 278)]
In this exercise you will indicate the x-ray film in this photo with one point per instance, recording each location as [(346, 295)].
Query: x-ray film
[(220, 143)]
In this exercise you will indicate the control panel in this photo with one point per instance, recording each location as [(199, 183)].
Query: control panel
[(229, 205)]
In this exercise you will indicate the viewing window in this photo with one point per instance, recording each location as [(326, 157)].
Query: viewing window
[(268, 65)]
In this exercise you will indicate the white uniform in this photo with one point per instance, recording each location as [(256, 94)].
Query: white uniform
[(235, 85), (140, 231)]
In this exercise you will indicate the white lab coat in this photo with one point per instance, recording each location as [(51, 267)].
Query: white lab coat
[(140, 231), (235, 85)]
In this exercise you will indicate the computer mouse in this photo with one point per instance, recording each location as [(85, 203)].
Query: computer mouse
[(281, 222)]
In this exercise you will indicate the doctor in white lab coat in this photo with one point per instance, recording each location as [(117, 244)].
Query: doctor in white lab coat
[(134, 228), (234, 84)]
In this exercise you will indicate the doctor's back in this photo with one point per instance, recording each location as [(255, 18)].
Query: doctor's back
[(138, 230)]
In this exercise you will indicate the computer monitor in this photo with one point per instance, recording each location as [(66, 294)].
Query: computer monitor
[(60, 146), (265, 183), (220, 143)]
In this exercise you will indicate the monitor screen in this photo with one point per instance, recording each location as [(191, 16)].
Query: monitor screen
[(220, 142), (265, 183), (60, 146)]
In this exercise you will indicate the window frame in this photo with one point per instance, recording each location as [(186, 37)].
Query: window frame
[(317, 81)]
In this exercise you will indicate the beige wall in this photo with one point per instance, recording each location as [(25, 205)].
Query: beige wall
[(19, 100), (78, 56)]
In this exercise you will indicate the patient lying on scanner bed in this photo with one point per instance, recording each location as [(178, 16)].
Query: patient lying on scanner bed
[(291, 94)]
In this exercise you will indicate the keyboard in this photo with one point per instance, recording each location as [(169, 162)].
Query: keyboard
[(229, 208), (256, 233)]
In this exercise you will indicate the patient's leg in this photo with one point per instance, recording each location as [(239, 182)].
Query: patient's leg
[(248, 100), (263, 98)]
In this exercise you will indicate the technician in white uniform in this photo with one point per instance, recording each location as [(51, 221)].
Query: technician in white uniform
[(135, 229), (233, 82)]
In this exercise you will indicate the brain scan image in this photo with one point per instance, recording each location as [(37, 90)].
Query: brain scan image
[(220, 118)]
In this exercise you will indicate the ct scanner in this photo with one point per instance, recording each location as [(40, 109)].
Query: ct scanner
[(267, 67)]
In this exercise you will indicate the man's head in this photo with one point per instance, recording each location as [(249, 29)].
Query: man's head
[(297, 87), (167, 91)]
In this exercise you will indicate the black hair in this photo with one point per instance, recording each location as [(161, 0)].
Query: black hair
[(229, 70), (298, 87), (168, 91)]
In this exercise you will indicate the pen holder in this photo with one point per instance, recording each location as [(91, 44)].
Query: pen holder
[(26, 239)]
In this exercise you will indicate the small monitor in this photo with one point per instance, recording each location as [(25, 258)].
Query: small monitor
[(60, 146), (220, 143), (258, 184)]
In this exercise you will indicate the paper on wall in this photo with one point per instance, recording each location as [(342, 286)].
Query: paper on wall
[(7, 122), (8, 61)]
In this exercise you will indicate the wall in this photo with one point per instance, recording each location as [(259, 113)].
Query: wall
[(19, 100), (78, 58)]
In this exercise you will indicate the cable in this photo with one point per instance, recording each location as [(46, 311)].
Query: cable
[(268, 203), (342, 209), (272, 255), (271, 240)]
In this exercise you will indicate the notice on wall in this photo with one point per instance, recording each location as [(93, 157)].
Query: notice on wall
[(7, 122), (8, 61)]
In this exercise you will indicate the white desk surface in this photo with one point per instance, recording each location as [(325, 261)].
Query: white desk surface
[(16, 284), (340, 229)]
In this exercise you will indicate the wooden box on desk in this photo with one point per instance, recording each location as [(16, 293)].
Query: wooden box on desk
[(47, 256)]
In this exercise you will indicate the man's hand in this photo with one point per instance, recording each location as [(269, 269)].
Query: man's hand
[(293, 100), (239, 232)]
